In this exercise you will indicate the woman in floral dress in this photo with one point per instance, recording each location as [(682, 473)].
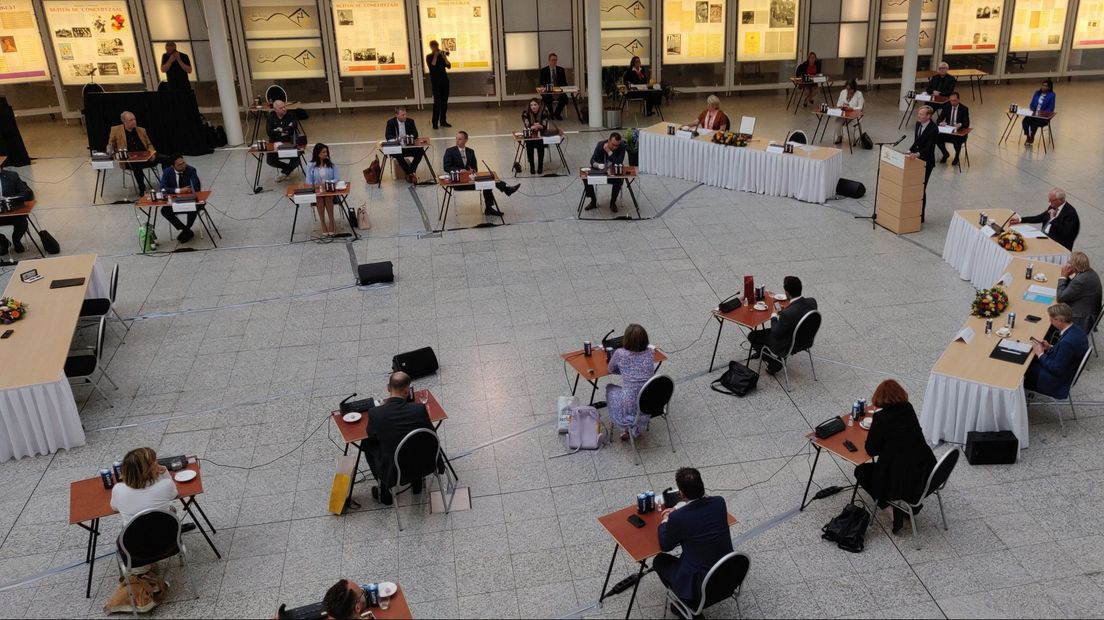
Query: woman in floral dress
[(635, 362)]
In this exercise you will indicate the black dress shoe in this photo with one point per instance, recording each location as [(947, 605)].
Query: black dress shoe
[(17, 245), (754, 355), (954, 162), (185, 235), (435, 125), (383, 498), (3, 245), (613, 207), (944, 159), (444, 124), (510, 189), (592, 205)]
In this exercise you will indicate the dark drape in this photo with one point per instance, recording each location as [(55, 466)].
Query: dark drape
[(171, 118), (11, 142)]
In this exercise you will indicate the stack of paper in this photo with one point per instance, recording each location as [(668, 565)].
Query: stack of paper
[(1041, 294), (1029, 232)]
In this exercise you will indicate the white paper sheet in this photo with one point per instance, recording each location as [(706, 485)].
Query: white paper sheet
[(923, 97), (966, 335), (553, 139), (946, 129), (1029, 232), (1013, 345), (596, 180), (747, 125), (1043, 290), (482, 185)]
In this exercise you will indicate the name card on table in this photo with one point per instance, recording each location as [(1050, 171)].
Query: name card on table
[(103, 164), (482, 185), (923, 97), (287, 153), (947, 129), (966, 335), (990, 229), (1023, 111), (820, 79), (184, 206), (556, 139), (892, 157), (1006, 279), (776, 148), (835, 112), (392, 150), (683, 133), (706, 132), (304, 199), (596, 179)]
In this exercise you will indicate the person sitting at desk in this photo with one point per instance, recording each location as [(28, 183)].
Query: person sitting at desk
[(904, 458), (15, 190), (460, 158), (536, 118), (941, 83), (130, 137), (698, 524), (712, 118), (924, 138), (180, 178), (635, 362), (1060, 221), (344, 600), (607, 152), (555, 76), (389, 423), (637, 74), (321, 168), (1055, 365), (1079, 287), (1042, 101), (850, 98), (399, 127), (783, 324), (805, 72), (952, 114), (282, 126)]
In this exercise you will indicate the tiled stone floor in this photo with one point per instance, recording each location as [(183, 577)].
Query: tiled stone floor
[(239, 354)]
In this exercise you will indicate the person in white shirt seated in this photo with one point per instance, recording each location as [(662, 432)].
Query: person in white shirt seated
[(850, 98)]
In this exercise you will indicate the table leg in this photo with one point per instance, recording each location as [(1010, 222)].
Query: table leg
[(33, 241), (345, 211), (808, 484), (517, 159), (609, 572), (188, 502), (594, 390), (356, 470), (429, 162), (980, 96), (632, 195), (850, 142), (720, 325), (582, 200), (90, 554), (257, 176), (563, 160), (204, 515), (575, 104), (442, 214), (1008, 128), (294, 219), (636, 586), (908, 110)]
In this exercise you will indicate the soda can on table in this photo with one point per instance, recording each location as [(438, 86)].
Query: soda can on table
[(587, 348), (862, 407), (642, 503), (983, 219), (371, 594), (117, 470), (988, 326), (105, 477), (1030, 271), (649, 501), (855, 410), (1011, 320)]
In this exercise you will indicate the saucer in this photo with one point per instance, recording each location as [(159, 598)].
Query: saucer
[(387, 589), (780, 296), (866, 422), (1041, 277), (185, 475), (760, 306), (1004, 333), (351, 417)]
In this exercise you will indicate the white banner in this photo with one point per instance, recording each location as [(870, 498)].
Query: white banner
[(767, 30), (93, 39), (285, 59), (22, 58), (462, 28), (620, 45), (371, 37), (693, 31), (626, 13)]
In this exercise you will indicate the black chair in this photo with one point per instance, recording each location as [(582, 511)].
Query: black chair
[(722, 581), (1066, 394), (93, 309), (418, 456), (313, 611), (653, 400), (274, 92), (803, 337), (1095, 326), (936, 481), (151, 536), (798, 136), (84, 366)]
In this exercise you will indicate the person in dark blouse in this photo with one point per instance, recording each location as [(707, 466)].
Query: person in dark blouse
[(638, 75), (538, 121), (806, 71)]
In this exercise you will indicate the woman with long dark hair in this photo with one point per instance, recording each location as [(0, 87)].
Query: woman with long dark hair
[(537, 119), (321, 168)]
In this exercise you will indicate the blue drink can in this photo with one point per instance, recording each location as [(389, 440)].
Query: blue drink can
[(862, 407), (117, 470), (1011, 320), (105, 477), (649, 501), (587, 348), (371, 594), (855, 410), (642, 503)]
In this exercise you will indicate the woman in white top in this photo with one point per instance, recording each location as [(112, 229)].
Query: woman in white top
[(321, 168), (849, 99)]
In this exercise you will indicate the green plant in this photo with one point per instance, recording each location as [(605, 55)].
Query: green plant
[(611, 82), (632, 141)]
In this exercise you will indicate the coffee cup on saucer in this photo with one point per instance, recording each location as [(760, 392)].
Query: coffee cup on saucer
[(760, 306), (1004, 332)]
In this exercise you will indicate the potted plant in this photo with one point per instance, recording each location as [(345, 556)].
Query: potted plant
[(632, 145), (611, 89)]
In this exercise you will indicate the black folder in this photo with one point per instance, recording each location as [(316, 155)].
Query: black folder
[(1006, 355)]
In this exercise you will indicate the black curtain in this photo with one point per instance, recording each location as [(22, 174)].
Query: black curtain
[(171, 118), (11, 142)]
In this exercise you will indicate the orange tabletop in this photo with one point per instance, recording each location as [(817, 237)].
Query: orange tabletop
[(935, 100), (418, 143), (145, 203), (640, 543), (630, 173), (339, 192), (358, 431), (26, 209), (595, 367), (857, 435), (89, 500), (466, 179), (397, 608), (747, 316), (848, 115), (267, 107), (136, 157)]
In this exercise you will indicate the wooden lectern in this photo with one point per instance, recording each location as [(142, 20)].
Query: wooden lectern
[(900, 198)]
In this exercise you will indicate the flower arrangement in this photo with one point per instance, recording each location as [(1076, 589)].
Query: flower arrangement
[(1011, 241), (730, 138), (11, 310), (989, 303)]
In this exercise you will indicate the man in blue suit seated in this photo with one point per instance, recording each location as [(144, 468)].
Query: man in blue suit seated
[(180, 178), (700, 525), (1055, 365)]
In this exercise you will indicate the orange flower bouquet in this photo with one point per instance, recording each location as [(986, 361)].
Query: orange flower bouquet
[(730, 138), (1011, 241), (989, 303), (11, 310)]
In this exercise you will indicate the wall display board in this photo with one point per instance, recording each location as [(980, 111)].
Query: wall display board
[(619, 45), (285, 59), (462, 28), (892, 39), (1089, 31), (278, 19), (1037, 25), (626, 13), (22, 58), (371, 37), (767, 30), (693, 31), (973, 26), (93, 38), (897, 10)]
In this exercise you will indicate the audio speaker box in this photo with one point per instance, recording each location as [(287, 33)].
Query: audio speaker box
[(375, 273), (992, 448), (850, 189), (417, 363)]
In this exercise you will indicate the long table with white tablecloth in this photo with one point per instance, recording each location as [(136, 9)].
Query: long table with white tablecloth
[(38, 414), (976, 255), (809, 174)]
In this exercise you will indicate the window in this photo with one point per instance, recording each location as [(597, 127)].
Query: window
[(1088, 37), (183, 22), (766, 41), (533, 30), (837, 33), (283, 45), (373, 50), (463, 29), (693, 51), (892, 37), (1036, 38), (973, 33)]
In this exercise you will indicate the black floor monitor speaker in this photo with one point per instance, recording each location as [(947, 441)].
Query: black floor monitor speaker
[(994, 448), (417, 363), (850, 189), (375, 273)]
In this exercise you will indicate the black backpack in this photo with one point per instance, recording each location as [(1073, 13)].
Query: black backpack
[(738, 380), (848, 529)]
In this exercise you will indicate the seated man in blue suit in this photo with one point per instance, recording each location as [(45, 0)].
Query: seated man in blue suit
[(180, 178), (700, 525), (1055, 365)]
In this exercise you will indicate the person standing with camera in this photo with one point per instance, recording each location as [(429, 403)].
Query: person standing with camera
[(438, 63)]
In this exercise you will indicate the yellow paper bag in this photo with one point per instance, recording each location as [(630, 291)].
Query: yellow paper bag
[(343, 480)]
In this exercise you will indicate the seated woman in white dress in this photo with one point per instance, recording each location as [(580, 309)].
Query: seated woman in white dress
[(850, 98)]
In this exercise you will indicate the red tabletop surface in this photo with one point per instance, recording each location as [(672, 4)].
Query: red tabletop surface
[(640, 543), (748, 316), (848, 115), (144, 202), (270, 147), (357, 431), (27, 207), (88, 499), (857, 435), (596, 362), (466, 180), (630, 173)]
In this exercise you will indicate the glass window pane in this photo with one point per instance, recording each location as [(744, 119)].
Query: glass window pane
[(852, 40), (891, 38), (1089, 31), (279, 19), (559, 42), (166, 20), (619, 45), (896, 10), (371, 38), (859, 10), (824, 11), (24, 59), (522, 51), (184, 47), (551, 15), (693, 32), (463, 30), (824, 40), (519, 16), (197, 21)]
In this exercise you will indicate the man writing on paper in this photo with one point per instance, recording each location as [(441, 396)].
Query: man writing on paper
[(1060, 221), (398, 128), (1055, 365), (924, 138), (553, 75), (607, 152), (282, 127), (783, 324), (461, 158), (180, 179), (176, 66), (952, 114)]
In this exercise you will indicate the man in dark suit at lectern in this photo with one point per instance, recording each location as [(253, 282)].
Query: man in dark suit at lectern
[(924, 139), (553, 75)]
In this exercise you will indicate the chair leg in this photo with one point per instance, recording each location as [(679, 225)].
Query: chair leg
[(670, 437), (786, 373), (130, 593), (912, 521), (811, 364), (446, 500), (395, 503), (1061, 422), (1073, 411), (632, 442), (943, 515), (103, 373), (95, 386)]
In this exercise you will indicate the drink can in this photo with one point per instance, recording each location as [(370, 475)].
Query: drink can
[(983, 220), (1030, 270), (649, 501), (371, 593), (587, 349), (117, 470), (642, 503), (609, 352), (988, 326), (105, 477), (862, 407), (855, 409), (1011, 320)]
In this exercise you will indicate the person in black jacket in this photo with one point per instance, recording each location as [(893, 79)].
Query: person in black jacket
[(398, 127), (438, 63), (637, 74), (952, 114), (607, 152), (553, 75), (698, 524), (941, 83), (388, 424), (1060, 221), (535, 117), (783, 324), (904, 459), (924, 138), (461, 158), (180, 179), (806, 71), (15, 190), (282, 126)]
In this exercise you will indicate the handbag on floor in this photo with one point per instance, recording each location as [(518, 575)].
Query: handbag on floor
[(848, 528), (372, 172), (363, 222), (584, 430), (49, 243), (738, 380)]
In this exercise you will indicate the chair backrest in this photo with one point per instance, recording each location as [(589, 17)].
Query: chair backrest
[(805, 332), (1096, 319), (274, 92), (655, 395), (723, 579), (152, 535), (1081, 366), (798, 135), (114, 284), (100, 331), (417, 455), (942, 471), (92, 87)]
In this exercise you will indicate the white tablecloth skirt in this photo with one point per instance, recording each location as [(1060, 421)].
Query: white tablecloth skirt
[(747, 170), (978, 259), (42, 419), (954, 407)]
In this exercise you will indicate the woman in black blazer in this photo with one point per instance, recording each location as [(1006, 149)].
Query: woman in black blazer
[(807, 71), (904, 459), (637, 74)]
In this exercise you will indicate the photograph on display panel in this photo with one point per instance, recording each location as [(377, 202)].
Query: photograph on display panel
[(462, 28), (371, 37), (93, 39), (973, 26), (619, 45), (1037, 25), (278, 19), (285, 59), (22, 58), (767, 30), (627, 13), (693, 31), (1089, 31)]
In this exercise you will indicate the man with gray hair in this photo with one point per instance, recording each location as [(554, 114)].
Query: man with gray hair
[(1059, 221), (1080, 287), (1052, 372), (941, 83), (130, 137)]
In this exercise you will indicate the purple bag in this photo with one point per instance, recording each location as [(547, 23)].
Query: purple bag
[(584, 431)]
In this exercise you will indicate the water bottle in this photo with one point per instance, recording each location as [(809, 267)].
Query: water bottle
[(988, 326)]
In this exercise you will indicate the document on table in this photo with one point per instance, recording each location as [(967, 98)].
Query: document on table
[(835, 112), (1041, 294), (1029, 232), (1014, 345), (1023, 111), (946, 129), (923, 97)]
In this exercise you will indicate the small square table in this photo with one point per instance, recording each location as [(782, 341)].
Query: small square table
[(745, 316), (151, 208), (339, 195), (596, 366), (629, 177), (274, 148), (856, 434)]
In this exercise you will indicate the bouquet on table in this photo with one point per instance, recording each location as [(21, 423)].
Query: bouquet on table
[(989, 303), (1011, 241), (11, 310), (731, 138)]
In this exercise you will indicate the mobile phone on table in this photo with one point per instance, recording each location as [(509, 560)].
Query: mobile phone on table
[(850, 446), (7, 334), (1031, 318), (636, 521)]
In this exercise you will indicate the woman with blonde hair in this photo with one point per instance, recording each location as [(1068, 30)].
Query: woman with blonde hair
[(635, 362), (712, 117)]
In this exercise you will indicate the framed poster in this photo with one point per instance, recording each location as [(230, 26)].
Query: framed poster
[(1037, 25), (973, 26), (619, 45), (279, 19), (767, 30), (897, 10), (462, 28), (693, 31), (891, 38), (93, 39), (285, 59), (627, 13), (371, 37), (22, 58), (1089, 31)]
